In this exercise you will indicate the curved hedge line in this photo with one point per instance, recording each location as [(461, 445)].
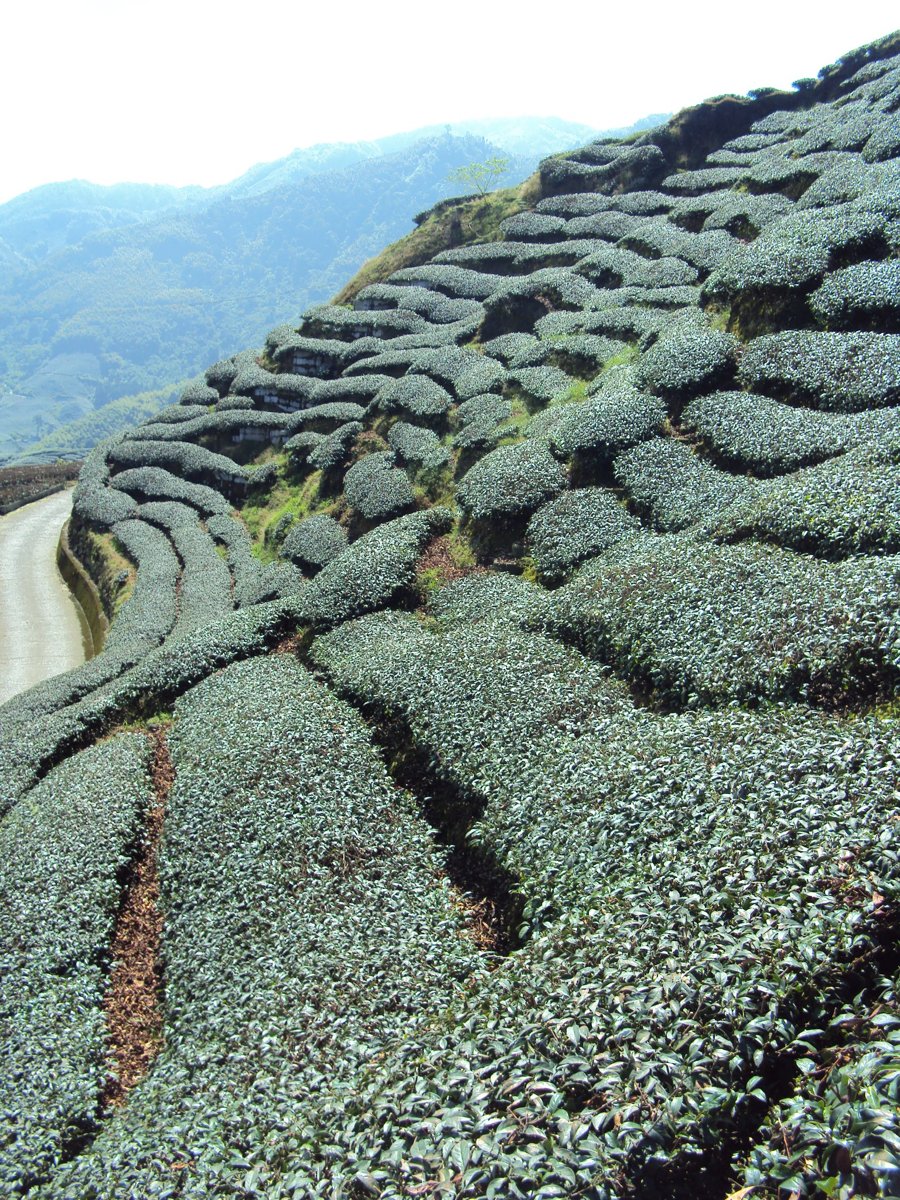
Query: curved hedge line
[(698, 623), (62, 852), (364, 927)]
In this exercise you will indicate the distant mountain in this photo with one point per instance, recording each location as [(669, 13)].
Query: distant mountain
[(49, 218), (528, 136), (113, 292)]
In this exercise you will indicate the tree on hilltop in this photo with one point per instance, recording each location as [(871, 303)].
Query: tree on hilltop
[(482, 176)]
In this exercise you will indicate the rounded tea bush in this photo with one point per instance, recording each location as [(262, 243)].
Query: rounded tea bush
[(511, 480), (314, 542), (673, 487), (377, 488), (577, 525)]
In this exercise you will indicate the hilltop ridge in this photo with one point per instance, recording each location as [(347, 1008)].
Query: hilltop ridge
[(488, 786)]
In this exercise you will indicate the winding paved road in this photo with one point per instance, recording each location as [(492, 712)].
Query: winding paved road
[(40, 623)]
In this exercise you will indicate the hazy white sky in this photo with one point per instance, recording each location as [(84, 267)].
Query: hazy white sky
[(195, 91)]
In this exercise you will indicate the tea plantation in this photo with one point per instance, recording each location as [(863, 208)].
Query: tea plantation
[(495, 754)]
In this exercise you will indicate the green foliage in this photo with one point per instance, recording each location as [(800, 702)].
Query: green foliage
[(61, 855), (252, 878), (659, 767), (481, 177)]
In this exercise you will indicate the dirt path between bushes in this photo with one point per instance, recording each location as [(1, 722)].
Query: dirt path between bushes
[(42, 630)]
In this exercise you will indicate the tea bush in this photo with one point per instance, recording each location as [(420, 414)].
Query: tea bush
[(736, 212), (457, 283), (483, 409), (378, 489), (866, 291), (245, 568), (414, 396), (769, 437), (313, 542), (150, 611), (511, 480), (643, 998), (205, 587), (427, 303), (302, 892), (678, 864), (236, 404), (62, 852), (301, 445), (618, 416), (199, 393), (698, 623), (417, 446), (147, 686), (329, 320), (540, 384), (375, 571), (577, 525), (798, 250), (844, 372), (324, 418), (194, 463), (330, 452), (485, 595), (685, 364), (850, 505), (221, 423), (349, 389), (222, 374), (159, 484)]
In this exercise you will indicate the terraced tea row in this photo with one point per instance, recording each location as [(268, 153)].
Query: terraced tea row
[(579, 550)]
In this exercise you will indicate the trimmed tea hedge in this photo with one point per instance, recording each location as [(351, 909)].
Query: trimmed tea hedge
[(330, 452), (673, 487), (417, 446), (488, 596), (378, 489), (511, 481), (324, 418), (674, 964), (305, 916), (245, 568), (850, 505), (619, 415), (147, 687), (149, 614), (415, 396), (192, 462), (845, 372), (313, 542), (206, 583), (769, 437), (867, 291), (375, 571), (704, 624), (577, 525), (685, 364), (159, 484), (62, 853), (681, 870)]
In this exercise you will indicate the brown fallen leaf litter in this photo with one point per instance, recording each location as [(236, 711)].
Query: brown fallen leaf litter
[(132, 1004)]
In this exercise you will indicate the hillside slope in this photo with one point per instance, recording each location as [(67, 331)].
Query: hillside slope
[(489, 784), (132, 309), (106, 292)]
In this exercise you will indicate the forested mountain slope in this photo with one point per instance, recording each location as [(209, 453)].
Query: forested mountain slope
[(489, 784)]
